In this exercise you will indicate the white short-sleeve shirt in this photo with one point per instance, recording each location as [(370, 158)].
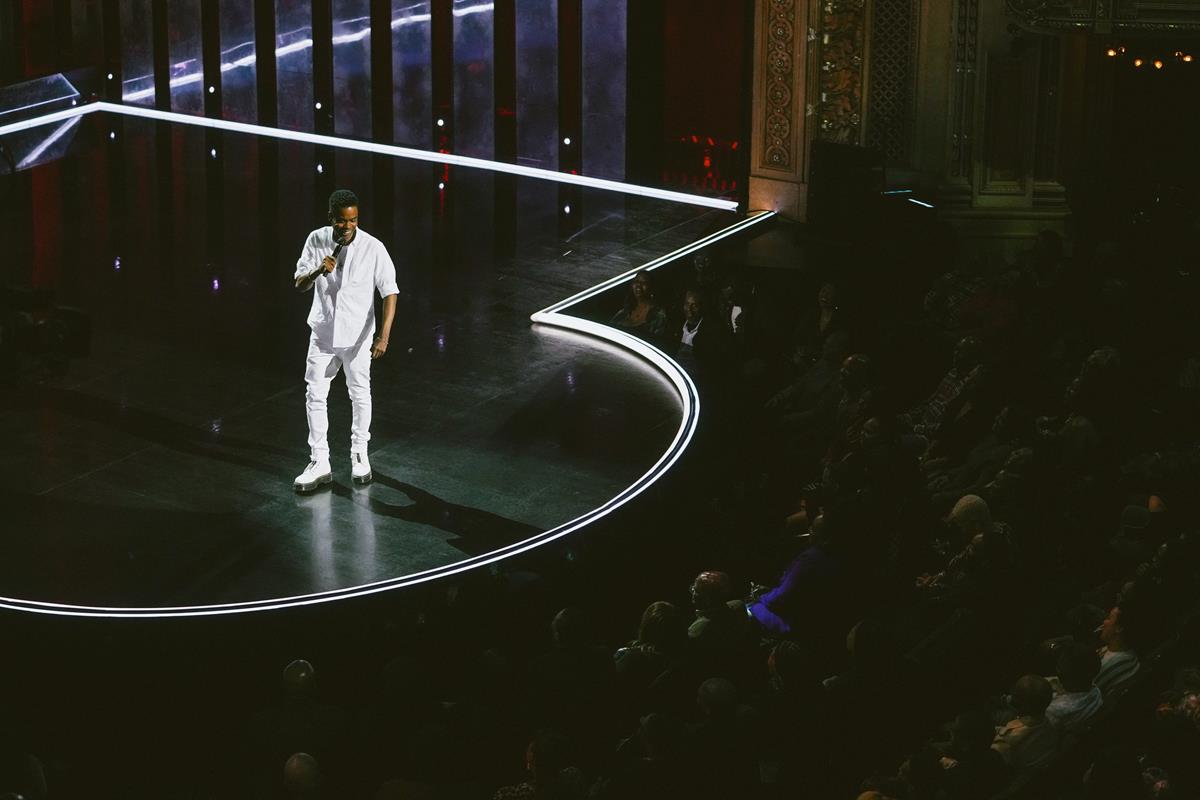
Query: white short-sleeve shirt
[(343, 306)]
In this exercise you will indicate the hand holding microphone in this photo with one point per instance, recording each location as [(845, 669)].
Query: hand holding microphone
[(329, 263)]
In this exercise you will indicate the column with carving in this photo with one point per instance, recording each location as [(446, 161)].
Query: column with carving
[(782, 109), (809, 61), (843, 45), (960, 158)]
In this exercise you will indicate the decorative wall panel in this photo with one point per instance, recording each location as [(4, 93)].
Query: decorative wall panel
[(352, 68), (185, 56), (239, 72), (412, 74), (293, 64), (474, 68), (137, 53), (537, 83), (780, 42), (843, 43), (891, 84), (605, 44), (962, 88)]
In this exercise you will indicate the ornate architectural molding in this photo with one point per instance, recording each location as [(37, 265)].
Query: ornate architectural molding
[(1105, 16), (963, 86), (780, 89), (891, 79), (843, 45)]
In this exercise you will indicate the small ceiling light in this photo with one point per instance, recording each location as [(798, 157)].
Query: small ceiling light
[(112, 134), (566, 209), (110, 76), (317, 105), (567, 140), (1122, 49), (441, 123), (441, 185), (1187, 57), (1158, 63), (212, 89), (1110, 52), (320, 168), (213, 152), (1137, 62)]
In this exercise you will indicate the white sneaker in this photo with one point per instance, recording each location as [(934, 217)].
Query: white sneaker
[(315, 474), (360, 468)]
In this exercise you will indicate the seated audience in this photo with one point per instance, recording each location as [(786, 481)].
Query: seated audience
[(926, 417), (722, 634), (970, 767), (807, 600), (642, 314), (1029, 741), (656, 672), (1118, 661), (817, 325), (1076, 696), (948, 478), (552, 775), (985, 561), (699, 347)]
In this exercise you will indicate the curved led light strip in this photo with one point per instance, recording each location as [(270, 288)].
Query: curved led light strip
[(551, 316), (382, 149)]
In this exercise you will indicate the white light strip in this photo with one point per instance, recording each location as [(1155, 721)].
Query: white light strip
[(699, 244), (39, 103), (413, 153), (920, 202), (36, 152), (673, 372), (372, 147), (479, 8), (46, 119), (689, 419), (295, 47)]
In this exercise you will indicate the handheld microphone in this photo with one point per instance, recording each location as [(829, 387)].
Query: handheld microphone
[(337, 248)]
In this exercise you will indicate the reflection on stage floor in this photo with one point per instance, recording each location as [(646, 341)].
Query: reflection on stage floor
[(156, 470)]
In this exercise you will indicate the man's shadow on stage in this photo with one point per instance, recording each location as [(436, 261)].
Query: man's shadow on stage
[(476, 531)]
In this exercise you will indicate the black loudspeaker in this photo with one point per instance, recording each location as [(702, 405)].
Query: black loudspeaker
[(844, 186)]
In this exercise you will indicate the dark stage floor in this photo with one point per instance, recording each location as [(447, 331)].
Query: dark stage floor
[(156, 471)]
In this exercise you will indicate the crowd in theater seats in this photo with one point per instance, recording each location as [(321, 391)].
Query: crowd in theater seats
[(945, 552)]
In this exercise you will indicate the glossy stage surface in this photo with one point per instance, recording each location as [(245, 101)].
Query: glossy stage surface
[(156, 470)]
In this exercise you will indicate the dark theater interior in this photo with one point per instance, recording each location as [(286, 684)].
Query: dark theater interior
[(745, 399)]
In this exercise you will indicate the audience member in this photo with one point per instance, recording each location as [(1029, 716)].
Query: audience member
[(1077, 698), (1118, 661), (301, 777), (552, 775), (984, 563), (642, 314), (722, 634), (970, 767), (1029, 741)]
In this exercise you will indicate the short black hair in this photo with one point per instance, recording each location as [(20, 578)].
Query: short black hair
[(342, 198)]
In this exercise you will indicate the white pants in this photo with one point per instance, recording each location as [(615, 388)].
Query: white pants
[(323, 363)]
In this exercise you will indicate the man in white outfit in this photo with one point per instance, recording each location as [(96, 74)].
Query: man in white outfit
[(344, 266)]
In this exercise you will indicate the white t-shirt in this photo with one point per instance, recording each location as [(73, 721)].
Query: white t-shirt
[(1071, 711), (1116, 668), (689, 334), (343, 306)]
